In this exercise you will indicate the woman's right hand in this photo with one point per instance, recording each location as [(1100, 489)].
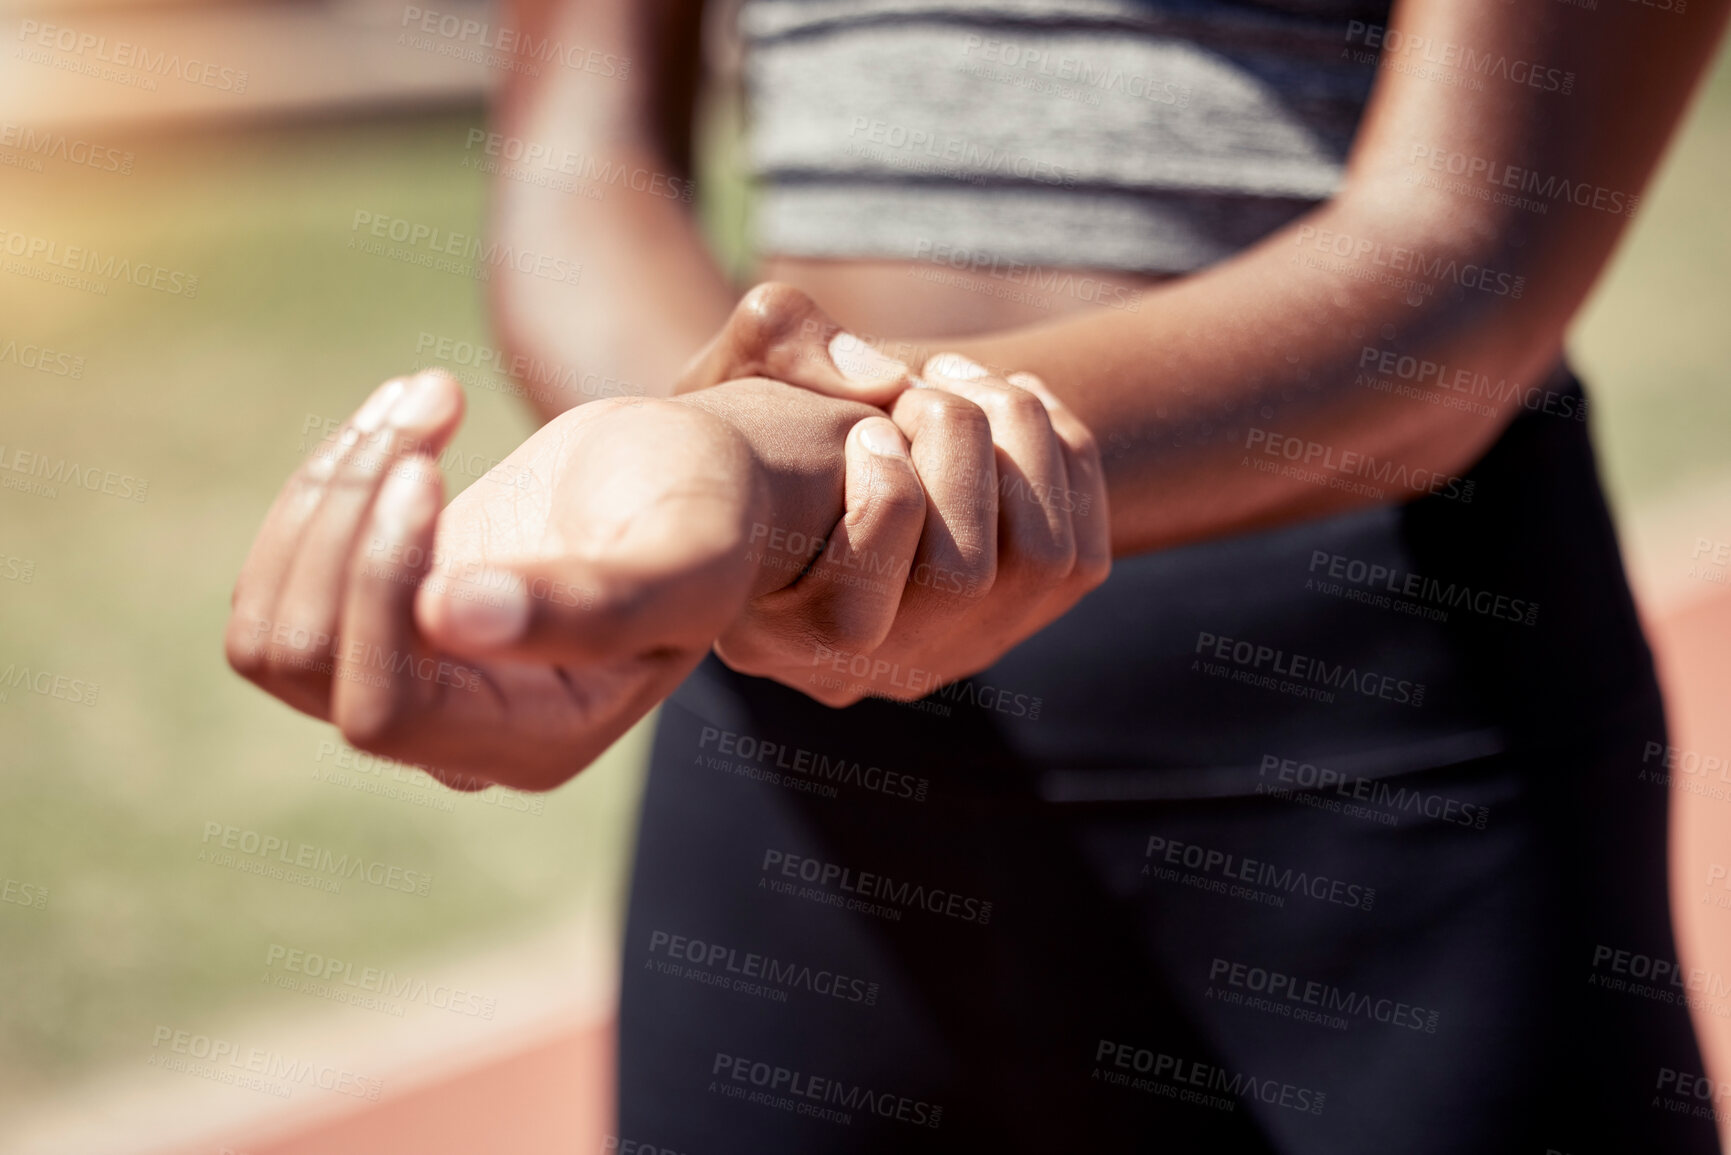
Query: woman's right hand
[(516, 635)]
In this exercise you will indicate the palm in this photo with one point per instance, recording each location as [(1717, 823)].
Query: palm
[(597, 487)]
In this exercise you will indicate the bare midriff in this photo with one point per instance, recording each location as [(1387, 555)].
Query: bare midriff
[(918, 299)]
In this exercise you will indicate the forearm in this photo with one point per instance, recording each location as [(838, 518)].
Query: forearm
[(649, 294), (1199, 398), (1300, 345)]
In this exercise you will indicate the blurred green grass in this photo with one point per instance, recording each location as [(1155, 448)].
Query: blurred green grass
[(208, 400), (1653, 342)]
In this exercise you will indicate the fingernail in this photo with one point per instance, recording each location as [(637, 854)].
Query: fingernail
[(424, 400), (956, 367), (882, 439), (372, 412), (489, 610), (862, 364), (395, 506)]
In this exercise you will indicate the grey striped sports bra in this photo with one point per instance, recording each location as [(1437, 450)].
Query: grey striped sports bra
[(1151, 136)]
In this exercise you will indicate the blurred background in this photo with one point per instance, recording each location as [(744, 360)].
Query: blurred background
[(152, 404)]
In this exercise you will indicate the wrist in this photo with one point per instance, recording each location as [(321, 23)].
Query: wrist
[(795, 441)]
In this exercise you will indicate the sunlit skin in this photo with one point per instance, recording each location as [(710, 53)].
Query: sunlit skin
[(658, 507)]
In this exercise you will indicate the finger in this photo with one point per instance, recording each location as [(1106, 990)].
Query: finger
[(1085, 498), (308, 606), (846, 602), (396, 696), (778, 331), (670, 584), (956, 562), (261, 575), (379, 689), (1036, 545)]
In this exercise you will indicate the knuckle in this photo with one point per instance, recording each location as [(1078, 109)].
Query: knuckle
[(895, 497), (1092, 567), (374, 722), (1051, 560), (971, 573), (1085, 445), (949, 412), (752, 651), (836, 629), (246, 656), (1035, 568), (834, 699), (770, 312), (1008, 403)]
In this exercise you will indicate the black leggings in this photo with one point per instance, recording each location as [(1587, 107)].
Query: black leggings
[(1131, 891), (1358, 969)]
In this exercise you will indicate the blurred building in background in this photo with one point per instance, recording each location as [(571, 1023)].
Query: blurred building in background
[(162, 61)]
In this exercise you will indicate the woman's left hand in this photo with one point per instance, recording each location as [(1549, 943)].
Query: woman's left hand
[(904, 597)]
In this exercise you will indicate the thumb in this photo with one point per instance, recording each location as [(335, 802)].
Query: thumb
[(778, 331), (668, 594)]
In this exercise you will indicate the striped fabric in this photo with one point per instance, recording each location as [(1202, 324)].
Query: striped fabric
[(1154, 136)]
